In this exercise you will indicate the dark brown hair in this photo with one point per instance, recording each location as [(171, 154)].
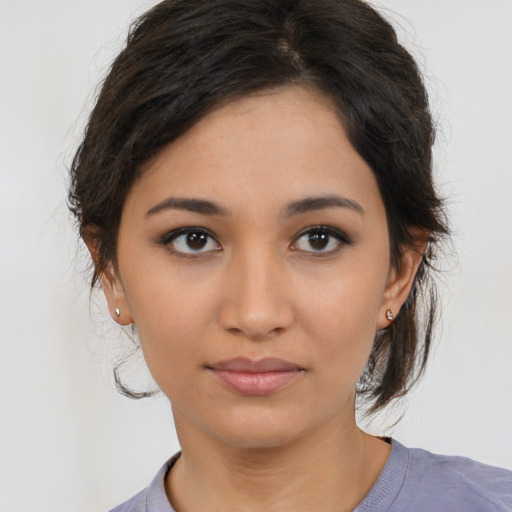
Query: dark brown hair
[(185, 57)]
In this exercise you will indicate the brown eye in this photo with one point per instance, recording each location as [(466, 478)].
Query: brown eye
[(318, 241), (191, 241), (196, 241), (321, 240)]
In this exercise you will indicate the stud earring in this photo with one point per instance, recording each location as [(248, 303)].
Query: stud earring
[(389, 315), (118, 312)]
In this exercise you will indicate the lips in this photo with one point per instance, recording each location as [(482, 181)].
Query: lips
[(256, 378)]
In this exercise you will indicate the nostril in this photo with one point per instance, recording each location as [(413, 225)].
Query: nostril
[(254, 327), (255, 335)]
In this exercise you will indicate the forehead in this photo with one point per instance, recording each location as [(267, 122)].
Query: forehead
[(267, 148)]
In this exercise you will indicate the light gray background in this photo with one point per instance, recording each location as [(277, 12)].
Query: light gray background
[(68, 442)]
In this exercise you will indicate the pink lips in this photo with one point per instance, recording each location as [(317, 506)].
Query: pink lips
[(256, 378)]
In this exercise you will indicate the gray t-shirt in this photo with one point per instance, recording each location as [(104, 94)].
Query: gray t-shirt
[(412, 480)]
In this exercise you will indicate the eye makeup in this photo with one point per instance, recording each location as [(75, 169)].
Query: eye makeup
[(195, 241)]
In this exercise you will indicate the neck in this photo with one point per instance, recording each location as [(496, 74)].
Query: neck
[(331, 469)]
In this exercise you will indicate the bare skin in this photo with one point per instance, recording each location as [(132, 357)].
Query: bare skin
[(289, 259), (329, 471)]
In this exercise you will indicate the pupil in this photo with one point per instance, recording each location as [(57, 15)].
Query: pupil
[(319, 240), (196, 240)]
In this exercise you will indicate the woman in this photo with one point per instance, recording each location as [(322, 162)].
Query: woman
[(255, 189)]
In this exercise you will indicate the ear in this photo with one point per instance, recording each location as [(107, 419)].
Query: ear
[(112, 287), (399, 284)]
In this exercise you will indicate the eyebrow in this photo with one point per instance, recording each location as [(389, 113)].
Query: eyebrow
[(201, 206), (310, 204), (205, 207)]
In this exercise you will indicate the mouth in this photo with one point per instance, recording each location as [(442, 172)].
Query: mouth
[(256, 378)]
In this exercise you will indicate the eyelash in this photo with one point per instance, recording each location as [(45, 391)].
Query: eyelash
[(169, 238), (341, 238)]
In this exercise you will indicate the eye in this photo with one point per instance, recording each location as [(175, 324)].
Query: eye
[(321, 239), (191, 241)]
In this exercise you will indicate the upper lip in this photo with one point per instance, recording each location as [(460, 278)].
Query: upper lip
[(267, 364)]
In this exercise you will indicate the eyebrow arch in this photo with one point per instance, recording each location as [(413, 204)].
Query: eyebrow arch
[(205, 207), (193, 205), (309, 204)]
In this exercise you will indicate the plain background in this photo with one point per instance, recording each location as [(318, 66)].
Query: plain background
[(68, 441)]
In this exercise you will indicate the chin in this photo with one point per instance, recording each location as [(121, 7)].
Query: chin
[(268, 440), (260, 431)]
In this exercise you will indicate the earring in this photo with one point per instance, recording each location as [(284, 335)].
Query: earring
[(389, 315), (118, 312)]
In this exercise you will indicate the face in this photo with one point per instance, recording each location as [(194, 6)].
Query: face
[(253, 257)]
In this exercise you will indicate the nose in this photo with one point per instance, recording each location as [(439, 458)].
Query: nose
[(255, 300)]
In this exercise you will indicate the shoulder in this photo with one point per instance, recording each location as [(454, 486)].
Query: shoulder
[(153, 498), (454, 483), (136, 504), (421, 481)]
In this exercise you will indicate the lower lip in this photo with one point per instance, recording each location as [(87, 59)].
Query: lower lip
[(257, 384)]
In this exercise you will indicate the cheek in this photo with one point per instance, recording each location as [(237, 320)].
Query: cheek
[(171, 319), (342, 320)]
